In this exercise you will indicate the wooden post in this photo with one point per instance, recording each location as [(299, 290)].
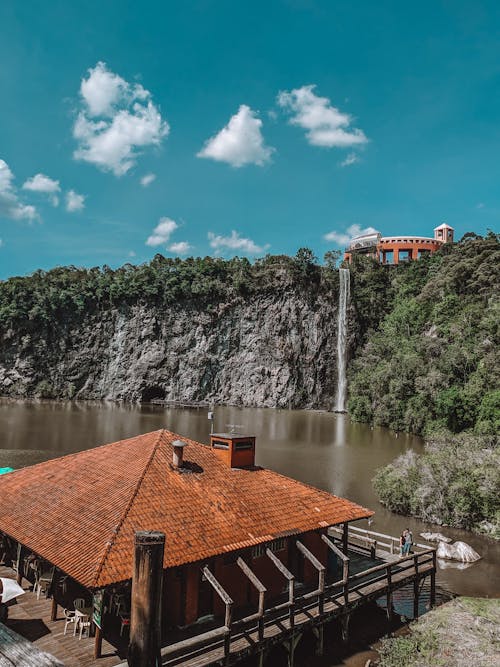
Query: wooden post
[(145, 618), (53, 611), (415, 588), (19, 564), (344, 622), (345, 537), (389, 593), (97, 643), (433, 580), (54, 585), (320, 632)]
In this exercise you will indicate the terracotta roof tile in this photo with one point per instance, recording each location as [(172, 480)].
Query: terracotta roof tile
[(81, 511)]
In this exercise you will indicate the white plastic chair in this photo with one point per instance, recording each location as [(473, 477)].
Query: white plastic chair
[(69, 617), (84, 624)]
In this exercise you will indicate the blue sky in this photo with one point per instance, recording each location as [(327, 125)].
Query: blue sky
[(267, 126)]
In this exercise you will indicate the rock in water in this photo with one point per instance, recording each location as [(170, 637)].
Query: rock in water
[(457, 551), (435, 537)]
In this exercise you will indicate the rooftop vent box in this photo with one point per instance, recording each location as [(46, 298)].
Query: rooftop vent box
[(236, 450)]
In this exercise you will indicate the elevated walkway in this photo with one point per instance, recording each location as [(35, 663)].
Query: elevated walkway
[(361, 582)]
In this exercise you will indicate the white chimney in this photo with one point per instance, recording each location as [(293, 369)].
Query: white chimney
[(178, 457)]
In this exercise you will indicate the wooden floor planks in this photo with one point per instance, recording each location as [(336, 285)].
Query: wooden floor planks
[(30, 618)]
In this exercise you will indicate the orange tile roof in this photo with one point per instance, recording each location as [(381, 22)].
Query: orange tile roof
[(81, 511)]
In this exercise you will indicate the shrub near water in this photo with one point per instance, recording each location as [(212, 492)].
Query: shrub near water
[(455, 482)]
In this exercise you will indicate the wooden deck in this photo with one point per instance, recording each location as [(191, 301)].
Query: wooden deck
[(372, 570), (30, 618), (285, 628)]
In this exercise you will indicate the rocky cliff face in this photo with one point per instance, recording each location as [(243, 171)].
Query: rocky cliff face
[(272, 350)]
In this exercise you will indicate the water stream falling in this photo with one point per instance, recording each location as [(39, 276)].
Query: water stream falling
[(344, 293)]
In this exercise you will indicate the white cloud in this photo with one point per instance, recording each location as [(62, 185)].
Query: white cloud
[(480, 205), (180, 248), (162, 232), (343, 238), (44, 184), (117, 121), (147, 179), (240, 142), (1, 243), (351, 158), (74, 201), (325, 125), (10, 206), (131, 253), (235, 242)]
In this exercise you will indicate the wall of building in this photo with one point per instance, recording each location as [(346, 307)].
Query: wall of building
[(181, 585)]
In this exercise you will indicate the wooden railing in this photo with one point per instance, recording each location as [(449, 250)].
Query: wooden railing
[(315, 600), (370, 540)]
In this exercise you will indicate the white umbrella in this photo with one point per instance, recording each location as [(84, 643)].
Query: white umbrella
[(9, 589)]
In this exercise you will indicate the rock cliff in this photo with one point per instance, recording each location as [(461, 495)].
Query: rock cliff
[(275, 348)]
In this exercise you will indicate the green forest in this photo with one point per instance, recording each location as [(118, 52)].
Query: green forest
[(432, 359), (45, 298), (428, 363)]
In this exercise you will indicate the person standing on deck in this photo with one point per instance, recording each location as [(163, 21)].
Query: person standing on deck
[(408, 541), (402, 540)]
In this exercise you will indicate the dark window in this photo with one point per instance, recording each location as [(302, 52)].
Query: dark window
[(244, 444), (219, 444), (260, 549)]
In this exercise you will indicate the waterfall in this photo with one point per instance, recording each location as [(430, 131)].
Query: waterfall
[(344, 293)]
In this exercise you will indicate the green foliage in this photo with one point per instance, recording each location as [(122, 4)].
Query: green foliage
[(306, 265), (46, 301), (407, 651), (456, 481), (331, 258), (429, 334)]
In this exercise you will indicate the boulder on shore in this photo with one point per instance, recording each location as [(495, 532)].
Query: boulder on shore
[(457, 551), (435, 537)]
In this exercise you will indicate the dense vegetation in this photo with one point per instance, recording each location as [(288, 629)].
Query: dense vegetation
[(431, 357), (455, 482), (429, 364), (46, 297)]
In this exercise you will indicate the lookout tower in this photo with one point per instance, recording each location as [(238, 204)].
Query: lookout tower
[(444, 233)]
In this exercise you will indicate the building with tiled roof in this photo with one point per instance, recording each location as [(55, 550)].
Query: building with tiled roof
[(80, 513)]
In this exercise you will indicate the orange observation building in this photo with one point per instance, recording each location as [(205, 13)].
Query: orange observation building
[(398, 248)]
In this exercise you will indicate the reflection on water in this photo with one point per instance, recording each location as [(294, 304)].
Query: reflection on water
[(323, 449)]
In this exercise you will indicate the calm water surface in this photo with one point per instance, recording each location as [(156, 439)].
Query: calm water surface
[(322, 449)]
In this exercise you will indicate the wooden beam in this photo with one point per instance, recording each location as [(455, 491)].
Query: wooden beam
[(216, 586), (334, 548), (282, 568), (321, 573), (345, 559), (291, 579), (310, 556), (229, 608), (345, 537), (251, 575), (261, 590), (145, 619)]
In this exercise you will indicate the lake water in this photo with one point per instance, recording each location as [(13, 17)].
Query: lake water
[(320, 448)]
